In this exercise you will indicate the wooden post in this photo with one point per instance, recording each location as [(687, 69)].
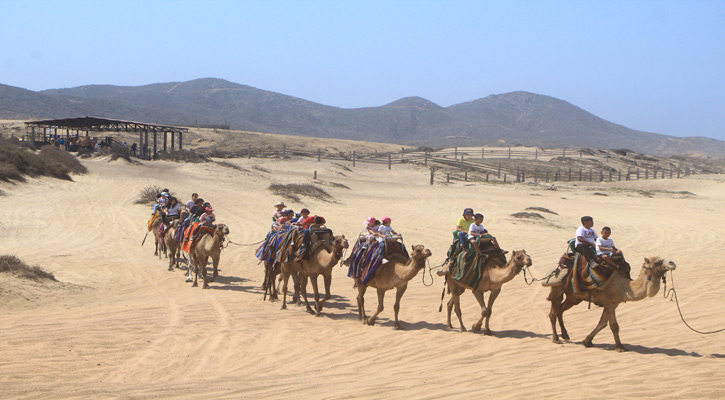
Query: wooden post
[(140, 145), (678, 173), (581, 153), (45, 134), (518, 175), (354, 156), (465, 176), (284, 151), (455, 154), (580, 173), (165, 139), (504, 178), (432, 174), (448, 178), (563, 153), (314, 176), (620, 175), (569, 175), (249, 152), (536, 175), (318, 154), (536, 154), (389, 162), (155, 143), (646, 174), (173, 135), (461, 160), (637, 173), (487, 176), (426, 160), (180, 148), (499, 171), (509, 153), (482, 155), (145, 145)]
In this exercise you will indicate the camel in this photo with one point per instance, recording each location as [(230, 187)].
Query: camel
[(173, 248), (208, 246), (395, 274), (618, 289), (83, 141), (320, 262), (494, 276), (160, 245)]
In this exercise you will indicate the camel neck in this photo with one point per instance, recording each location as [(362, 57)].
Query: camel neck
[(647, 284), (412, 267)]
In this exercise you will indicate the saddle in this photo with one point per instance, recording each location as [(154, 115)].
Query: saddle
[(320, 238)]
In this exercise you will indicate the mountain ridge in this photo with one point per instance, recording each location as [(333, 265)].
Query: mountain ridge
[(512, 118)]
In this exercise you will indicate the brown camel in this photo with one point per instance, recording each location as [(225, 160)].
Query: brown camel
[(208, 246), (173, 249), (83, 141), (395, 274), (495, 274), (160, 246), (320, 262), (618, 289)]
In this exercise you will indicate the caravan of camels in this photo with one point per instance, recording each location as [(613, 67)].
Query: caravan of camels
[(301, 246)]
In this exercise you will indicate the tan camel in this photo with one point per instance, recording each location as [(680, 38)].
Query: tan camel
[(320, 262), (395, 274), (208, 246), (618, 289), (83, 141), (494, 276), (173, 249)]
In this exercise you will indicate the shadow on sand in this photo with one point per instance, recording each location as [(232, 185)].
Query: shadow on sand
[(649, 350)]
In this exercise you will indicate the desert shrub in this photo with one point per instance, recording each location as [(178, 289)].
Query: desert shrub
[(148, 194), (231, 165), (17, 267), (17, 160), (621, 152), (293, 191), (542, 209), (260, 168), (338, 185), (425, 149), (344, 167), (182, 156), (527, 215)]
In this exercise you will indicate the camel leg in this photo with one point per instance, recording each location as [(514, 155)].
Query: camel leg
[(202, 266), (601, 325), (215, 263), (449, 306), (396, 307), (361, 301), (303, 291), (614, 326), (567, 304), (318, 305), (381, 297), (481, 302), (296, 282), (456, 298), (487, 313), (285, 279), (555, 297), (196, 272), (327, 278)]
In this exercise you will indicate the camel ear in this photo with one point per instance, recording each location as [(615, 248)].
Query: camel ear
[(646, 260), (343, 236)]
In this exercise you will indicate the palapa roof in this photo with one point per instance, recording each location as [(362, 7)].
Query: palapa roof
[(104, 124)]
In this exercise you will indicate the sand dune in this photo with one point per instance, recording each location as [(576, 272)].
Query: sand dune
[(120, 325)]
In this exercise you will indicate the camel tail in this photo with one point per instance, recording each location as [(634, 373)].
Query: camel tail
[(443, 294)]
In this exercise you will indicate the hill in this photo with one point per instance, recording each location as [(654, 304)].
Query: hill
[(505, 119)]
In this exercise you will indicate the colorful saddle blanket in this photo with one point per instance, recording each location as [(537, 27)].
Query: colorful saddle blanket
[(193, 234), (584, 276), (367, 257), (465, 265)]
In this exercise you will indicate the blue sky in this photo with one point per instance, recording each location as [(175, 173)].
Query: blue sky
[(656, 66)]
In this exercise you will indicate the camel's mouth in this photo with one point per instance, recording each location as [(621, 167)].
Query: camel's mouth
[(671, 266)]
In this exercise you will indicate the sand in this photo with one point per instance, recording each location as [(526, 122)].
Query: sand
[(119, 325)]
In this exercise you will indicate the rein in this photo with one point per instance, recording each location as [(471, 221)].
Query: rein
[(672, 294), (243, 244), (430, 273)]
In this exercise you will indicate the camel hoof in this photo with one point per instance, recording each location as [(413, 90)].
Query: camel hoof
[(205, 287), (171, 268), (370, 322), (189, 280), (284, 307), (556, 341), (195, 284), (488, 333), (449, 327), (398, 327), (621, 349), (463, 328), (565, 336), (210, 280), (476, 328), (587, 343)]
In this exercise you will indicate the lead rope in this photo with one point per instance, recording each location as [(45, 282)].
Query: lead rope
[(430, 273), (672, 294)]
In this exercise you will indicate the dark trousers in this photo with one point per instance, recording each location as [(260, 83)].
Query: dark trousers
[(587, 251)]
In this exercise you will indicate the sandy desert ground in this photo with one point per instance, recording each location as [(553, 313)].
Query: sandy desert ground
[(119, 325)]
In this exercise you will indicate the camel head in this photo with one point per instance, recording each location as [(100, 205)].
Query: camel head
[(658, 266), (340, 242), (222, 230), (521, 258), (419, 251)]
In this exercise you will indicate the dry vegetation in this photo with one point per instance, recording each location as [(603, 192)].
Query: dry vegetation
[(18, 161), (148, 195), (13, 265), (292, 191)]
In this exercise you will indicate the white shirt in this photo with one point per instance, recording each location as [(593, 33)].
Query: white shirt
[(476, 229), (588, 234), (604, 243)]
